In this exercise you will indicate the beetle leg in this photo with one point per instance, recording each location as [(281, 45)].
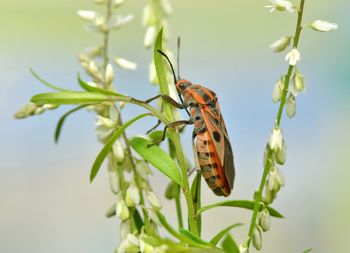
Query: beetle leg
[(171, 125)]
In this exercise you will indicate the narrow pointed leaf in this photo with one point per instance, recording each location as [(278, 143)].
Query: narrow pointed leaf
[(307, 251), (108, 146), (193, 237), (196, 196), (72, 97), (63, 118), (45, 82), (229, 245), (157, 157), (246, 204), (90, 88), (216, 239)]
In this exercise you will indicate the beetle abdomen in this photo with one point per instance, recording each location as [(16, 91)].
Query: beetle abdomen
[(210, 166)]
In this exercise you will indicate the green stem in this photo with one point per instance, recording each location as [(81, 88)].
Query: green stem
[(278, 121), (179, 211)]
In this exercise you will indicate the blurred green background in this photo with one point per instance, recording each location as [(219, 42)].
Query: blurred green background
[(47, 203)]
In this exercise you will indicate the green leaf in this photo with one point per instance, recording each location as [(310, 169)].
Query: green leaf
[(138, 220), (216, 239), (108, 146), (63, 118), (157, 157), (90, 88), (161, 72), (193, 237), (229, 245), (307, 251), (247, 204), (196, 197), (44, 82), (72, 97)]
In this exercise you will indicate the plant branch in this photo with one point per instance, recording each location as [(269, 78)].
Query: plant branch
[(258, 194)]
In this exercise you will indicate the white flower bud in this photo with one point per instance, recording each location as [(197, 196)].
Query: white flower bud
[(323, 26), (297, 84), (87, 15), (118, 3), (153, 200), (281, 44), (113, 182), (269, 195), (281, 155), (122, 211), (106, 122), (293, 57), (132, 196), (130, 244), (93, 69), (153, 217), (166, 7), (50, 106), (265, 220), (39, 110), (276, 139), (125, 64), (257, 238), (243, 248), (291, 106), (281, 5), (124, 229), (278, 90), (279, 177), (143, 170), (119, 21), (118, 151), (150, 36), (109, 75), (152, 75), (149, 17)]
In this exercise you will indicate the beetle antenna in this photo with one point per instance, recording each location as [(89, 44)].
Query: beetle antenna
[(171, 65), (178, 58)]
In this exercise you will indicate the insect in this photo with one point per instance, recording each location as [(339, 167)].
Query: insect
[(210, 141)]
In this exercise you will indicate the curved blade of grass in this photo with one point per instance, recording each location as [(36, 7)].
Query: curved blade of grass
[(158, 158), (216, 239), (71, 97), (181, 237), (90, 88), (196, 196), (229, 245), (108, 146), (45, 82), (193, 237), (63, 118), (246, 204)]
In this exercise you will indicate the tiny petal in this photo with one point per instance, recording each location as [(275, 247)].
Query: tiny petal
[(122, 210), (106, 122), (114, 182), (119, 21), (281, 5), (323, 26), (281, 155), (125, 64), (87, 15), (150, 36), (281, 44), (257, 238), (149, 17), (265, 220), (276, 139), (124, 229), (118, 151), (109, 75), (118, 3), (277, 91), (132, 196), (93, 69), (153, 200), (166, 6), (293, 57), (297, 83), (291, 106)]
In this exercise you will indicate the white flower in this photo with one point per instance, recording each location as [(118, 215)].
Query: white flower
[(281, 155), (291, 106), (109, 75), (106, 122), (277, 90), (150, 36), (243, 248), (143, 170), (153, 200), (323, 26), (113, 181), (118, 3), (119, 21), (293, 57), (132, 196), (87, 15), (265, 220), (297, 84), (122, 211), (124, 229), (149, 17), (281, 44), (145, 247), (118, 151), (93, 69), (276, 139), (166, 6), (130, 244), (281, 5), (257, 238), (125, 64)]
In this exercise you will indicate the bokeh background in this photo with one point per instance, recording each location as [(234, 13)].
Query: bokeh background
[(47, 203)]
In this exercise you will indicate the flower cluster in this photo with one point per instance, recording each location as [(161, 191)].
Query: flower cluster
[(285, 91)]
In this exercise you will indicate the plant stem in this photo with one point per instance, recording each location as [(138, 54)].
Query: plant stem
[(106, 35), (278, 121), (179, 211)]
